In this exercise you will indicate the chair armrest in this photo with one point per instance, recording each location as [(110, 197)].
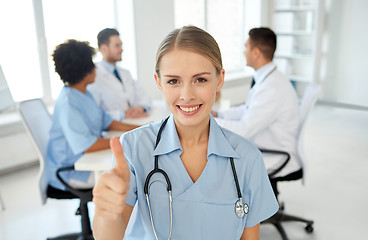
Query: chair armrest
[(277, 170), (83, 194)]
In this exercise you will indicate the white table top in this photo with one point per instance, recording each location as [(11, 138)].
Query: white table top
[(95, 161), (158, 111)]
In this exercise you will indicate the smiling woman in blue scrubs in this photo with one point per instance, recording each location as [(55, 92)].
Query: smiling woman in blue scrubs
[(78, 121), (196, 154)]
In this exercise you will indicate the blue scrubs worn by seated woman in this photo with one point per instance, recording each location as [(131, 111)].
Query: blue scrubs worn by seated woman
[(76, 125), (204, 209)]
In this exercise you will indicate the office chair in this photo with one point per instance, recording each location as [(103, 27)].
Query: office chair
[(37, 122), (309, 99)]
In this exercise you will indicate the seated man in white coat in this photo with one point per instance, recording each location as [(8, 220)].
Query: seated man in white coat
[(270, 116), (114, 88)]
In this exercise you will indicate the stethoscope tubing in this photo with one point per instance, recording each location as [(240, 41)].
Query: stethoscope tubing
[(156, 169), (151, 174), (235, 177), (268, 74), (146, 184)]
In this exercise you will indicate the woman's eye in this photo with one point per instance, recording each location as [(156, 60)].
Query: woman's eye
[(201, 80), (172, 81)]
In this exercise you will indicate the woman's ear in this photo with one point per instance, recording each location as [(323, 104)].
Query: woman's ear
[(220, 84), (158, 81)]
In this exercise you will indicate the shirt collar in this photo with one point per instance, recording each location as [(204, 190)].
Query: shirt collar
[(169, 141), (217, 142), (261, 72), (108, 66)]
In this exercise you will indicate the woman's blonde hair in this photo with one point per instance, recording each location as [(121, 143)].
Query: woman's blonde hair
[(193, 39)]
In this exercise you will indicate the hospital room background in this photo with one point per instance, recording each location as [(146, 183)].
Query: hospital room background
[(324, 42)]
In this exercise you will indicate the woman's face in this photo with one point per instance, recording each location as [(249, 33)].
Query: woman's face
[(189, 83)]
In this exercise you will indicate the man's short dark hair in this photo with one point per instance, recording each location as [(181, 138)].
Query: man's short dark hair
[(103, 37), (73, 60), (265, 39)]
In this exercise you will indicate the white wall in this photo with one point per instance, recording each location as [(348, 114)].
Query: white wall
[(346, 77), (153, 21)]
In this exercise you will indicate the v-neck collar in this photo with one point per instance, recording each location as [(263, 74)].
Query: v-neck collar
[(217, 141)]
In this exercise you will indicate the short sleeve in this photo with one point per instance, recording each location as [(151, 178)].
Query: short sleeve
[(132, 193), (76, 131), (263, 203), (106, 119)]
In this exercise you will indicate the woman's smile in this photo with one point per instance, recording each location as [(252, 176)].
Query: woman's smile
[(189, 109)]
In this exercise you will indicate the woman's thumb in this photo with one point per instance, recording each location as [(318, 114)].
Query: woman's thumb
[(121, 166)]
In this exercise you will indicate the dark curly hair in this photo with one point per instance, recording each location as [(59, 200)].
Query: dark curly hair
[(73, 60)]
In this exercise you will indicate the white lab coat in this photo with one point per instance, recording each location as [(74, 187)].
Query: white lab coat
[(270, 118), (116, 97)]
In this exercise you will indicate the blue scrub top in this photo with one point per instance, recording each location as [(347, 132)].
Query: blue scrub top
[(77, 123), (204, 209)]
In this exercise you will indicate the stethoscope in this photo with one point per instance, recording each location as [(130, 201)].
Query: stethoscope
[(240, 208), (268, 74), (253, 86)]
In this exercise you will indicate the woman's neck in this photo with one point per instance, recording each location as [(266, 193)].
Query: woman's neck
[(81, 86), (193, 135)]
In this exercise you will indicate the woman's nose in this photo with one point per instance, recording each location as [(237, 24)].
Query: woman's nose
[(187, 92)]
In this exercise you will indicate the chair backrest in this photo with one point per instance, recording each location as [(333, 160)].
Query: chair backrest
[(37, 121), (6, 99), (310, 97)]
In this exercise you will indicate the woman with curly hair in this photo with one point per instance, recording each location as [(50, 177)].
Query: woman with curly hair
[(77, 120)]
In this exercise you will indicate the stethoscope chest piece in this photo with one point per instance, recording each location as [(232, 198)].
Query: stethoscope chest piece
[(246, 208), (241, 208)]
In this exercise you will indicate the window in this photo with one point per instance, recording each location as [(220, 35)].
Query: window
[(189, 12), (70, 19), (227, 21), (32, 29), (18, 47)]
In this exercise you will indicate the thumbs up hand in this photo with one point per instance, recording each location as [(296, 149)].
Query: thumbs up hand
[(111, 189), (121, 167)]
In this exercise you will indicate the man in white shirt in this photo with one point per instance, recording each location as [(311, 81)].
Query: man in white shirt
[(270, 116), (114, 88)]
